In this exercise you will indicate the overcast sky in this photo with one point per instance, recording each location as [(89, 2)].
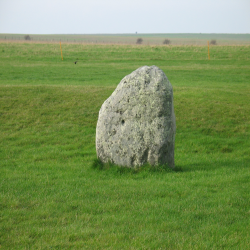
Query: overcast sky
[(124, 16)]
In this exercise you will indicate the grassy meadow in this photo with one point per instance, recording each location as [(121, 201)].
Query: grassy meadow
[(148, 39), (52, 196)]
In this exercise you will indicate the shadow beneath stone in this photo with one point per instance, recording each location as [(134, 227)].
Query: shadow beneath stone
[(99, 165)]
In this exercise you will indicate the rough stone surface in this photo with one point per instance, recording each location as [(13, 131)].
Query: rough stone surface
[(136, 124)]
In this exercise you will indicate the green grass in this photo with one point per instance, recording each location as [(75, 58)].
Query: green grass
[(54, 194)]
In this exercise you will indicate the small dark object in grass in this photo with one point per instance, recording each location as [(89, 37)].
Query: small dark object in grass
[(139, 41), (166, 41), (27, 37), (213, 42), (75, 62)]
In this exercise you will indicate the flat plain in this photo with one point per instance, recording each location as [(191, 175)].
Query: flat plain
[(147, 39), (54, 196)]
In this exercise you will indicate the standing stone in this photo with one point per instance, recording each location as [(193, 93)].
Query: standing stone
[(136, 124)]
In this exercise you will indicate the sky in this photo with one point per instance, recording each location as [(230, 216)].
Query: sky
[(124, 16)]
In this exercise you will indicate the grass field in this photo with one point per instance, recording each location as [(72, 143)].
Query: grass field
[(148, 39), (51, 196)]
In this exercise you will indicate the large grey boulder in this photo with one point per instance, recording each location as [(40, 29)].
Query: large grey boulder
[(136, 124)]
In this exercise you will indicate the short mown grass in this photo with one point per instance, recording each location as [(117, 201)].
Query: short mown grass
[(55, 193)]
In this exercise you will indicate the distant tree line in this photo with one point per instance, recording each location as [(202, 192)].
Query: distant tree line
[(140, 41)]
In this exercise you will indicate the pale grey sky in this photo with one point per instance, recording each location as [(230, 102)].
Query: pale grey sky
[(124, 16)]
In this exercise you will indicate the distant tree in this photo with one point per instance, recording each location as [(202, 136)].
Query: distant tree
[(213, 42), (27, 37), (166, 41), (139, 41)]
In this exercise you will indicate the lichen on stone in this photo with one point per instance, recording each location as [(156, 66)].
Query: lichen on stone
[(136, 124)]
